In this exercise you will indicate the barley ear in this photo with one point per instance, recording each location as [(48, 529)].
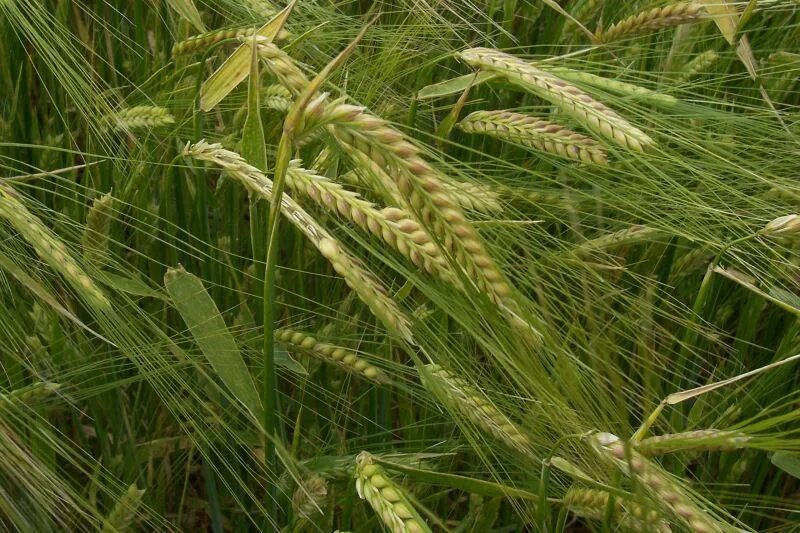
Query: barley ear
[(50, 248), (655, 19), (468, 401), (342, 357), (536, 133), (96, 234), (123, 516), (386, 498)]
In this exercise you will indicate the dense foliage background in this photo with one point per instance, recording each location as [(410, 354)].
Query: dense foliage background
[(175, 356)]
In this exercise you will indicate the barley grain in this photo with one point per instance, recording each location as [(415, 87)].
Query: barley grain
[(697, 66), (309, 499), (202, 42)]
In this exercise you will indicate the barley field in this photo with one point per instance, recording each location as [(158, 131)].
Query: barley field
[(458, 266)]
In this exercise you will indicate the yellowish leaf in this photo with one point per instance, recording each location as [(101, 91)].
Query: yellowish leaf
[(236, 68)]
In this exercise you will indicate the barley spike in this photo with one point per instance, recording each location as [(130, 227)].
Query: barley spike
[(534, 132), (386, 498), (655, 19), (593, 114), (344, 358)]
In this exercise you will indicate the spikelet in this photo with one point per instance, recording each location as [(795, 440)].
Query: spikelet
[(393, 226), (535, 133), (663, 490), (368, 288), (276, 97), (697, 66), (344, 358), (309, 499), (655, 19), (28, 395), (144, 116), (386, 498), (593, 114), (50, 248), (700, 440), (281, 66), (123, 515), (624, 237), (200, 43), (96, 234), (631, 516), (462, 396)]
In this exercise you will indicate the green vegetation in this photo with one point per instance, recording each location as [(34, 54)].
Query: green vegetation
[(518, 265)]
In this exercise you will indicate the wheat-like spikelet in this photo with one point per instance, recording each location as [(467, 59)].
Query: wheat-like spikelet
[(695, 259), (309, 499), (624, 237), (201, 42), (276, 96), (393, 226), (50, 248), (655, 19), (699, 440), (663, 490), (28, 395), (96, 234), (631, 516), (698, 65), (344, 358), (281, 66), (368, 288), (611, 85), (534, 132), (466, 399), (123, 515), (386, 498), (593, 114), (144, 116)]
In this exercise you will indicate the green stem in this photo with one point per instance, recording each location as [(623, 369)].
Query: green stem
[(269, 382)]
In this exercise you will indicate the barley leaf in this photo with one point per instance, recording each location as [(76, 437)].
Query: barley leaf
[(187, 10), (455, 85), (788, 462), (254, 146), (204, 321)]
